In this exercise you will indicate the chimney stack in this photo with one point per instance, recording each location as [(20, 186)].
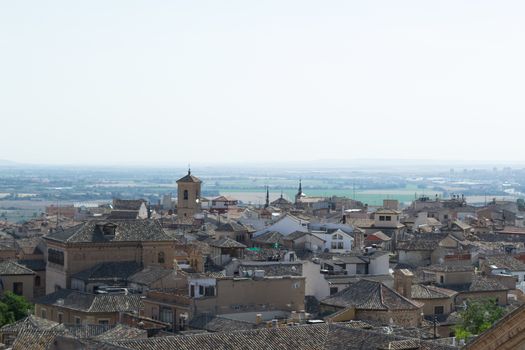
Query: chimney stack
[(403, 282)]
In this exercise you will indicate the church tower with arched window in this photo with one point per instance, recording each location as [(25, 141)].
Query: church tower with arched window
[(188, 198)]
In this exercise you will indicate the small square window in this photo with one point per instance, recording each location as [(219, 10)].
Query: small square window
[(18, 288)]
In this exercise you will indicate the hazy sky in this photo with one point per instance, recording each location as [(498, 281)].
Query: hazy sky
[(234, 81)]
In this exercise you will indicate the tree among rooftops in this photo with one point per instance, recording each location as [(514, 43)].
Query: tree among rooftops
[(478, 316), (13, 308)]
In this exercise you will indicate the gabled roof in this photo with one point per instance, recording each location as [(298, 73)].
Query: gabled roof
[(298, 234), (378, 236), (226, 243), (484, 284), (8, 244), (125, 231), (29, 245), (149, 275), (122, 331), (462, 225), (87, 302), (319, 337), (478, 284), (108, 271), (505, 262), (128, 204), (334, 231), (427, 241), (189, 178), (270, 237), (212, 323), (231, 226), (9, 267), (35, 339), (30, 322), (292, 217), (361, 223), (387, 211), (420, 291), (224, 199), (370, 295), (281, 201), (33, 264)]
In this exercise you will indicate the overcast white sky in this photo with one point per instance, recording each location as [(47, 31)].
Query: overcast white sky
[(233, 81)]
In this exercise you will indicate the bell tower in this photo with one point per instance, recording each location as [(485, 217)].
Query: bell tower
[(188, 198)]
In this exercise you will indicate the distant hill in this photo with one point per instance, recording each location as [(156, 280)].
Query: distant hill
[(7, 162)]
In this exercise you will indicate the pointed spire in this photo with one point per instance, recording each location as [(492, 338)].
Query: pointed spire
[(267, 197), (281, 194), (300, 187), (189, 169)]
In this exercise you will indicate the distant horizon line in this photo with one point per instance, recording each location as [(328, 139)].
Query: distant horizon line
[(331, 163)]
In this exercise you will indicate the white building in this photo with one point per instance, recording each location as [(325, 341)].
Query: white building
[(336, 242), (286, 225)]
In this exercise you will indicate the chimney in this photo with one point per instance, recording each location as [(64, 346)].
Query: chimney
[(258, 319), (403, 282)]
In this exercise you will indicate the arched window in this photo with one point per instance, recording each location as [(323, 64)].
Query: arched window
[(37, 281), (337, 237), (186, 194), (160, 258)]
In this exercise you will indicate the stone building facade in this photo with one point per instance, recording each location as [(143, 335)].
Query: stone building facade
[(91, 243), (188, 198)]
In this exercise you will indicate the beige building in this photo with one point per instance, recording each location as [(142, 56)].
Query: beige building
[(468, 284), (39, 268), (226, 295), (188, 198), (435, 300), (374, 301), (94, 242), (17, 279), (74, 307), (8, 249)]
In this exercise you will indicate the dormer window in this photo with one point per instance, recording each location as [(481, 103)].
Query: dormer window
[(108, 229)]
